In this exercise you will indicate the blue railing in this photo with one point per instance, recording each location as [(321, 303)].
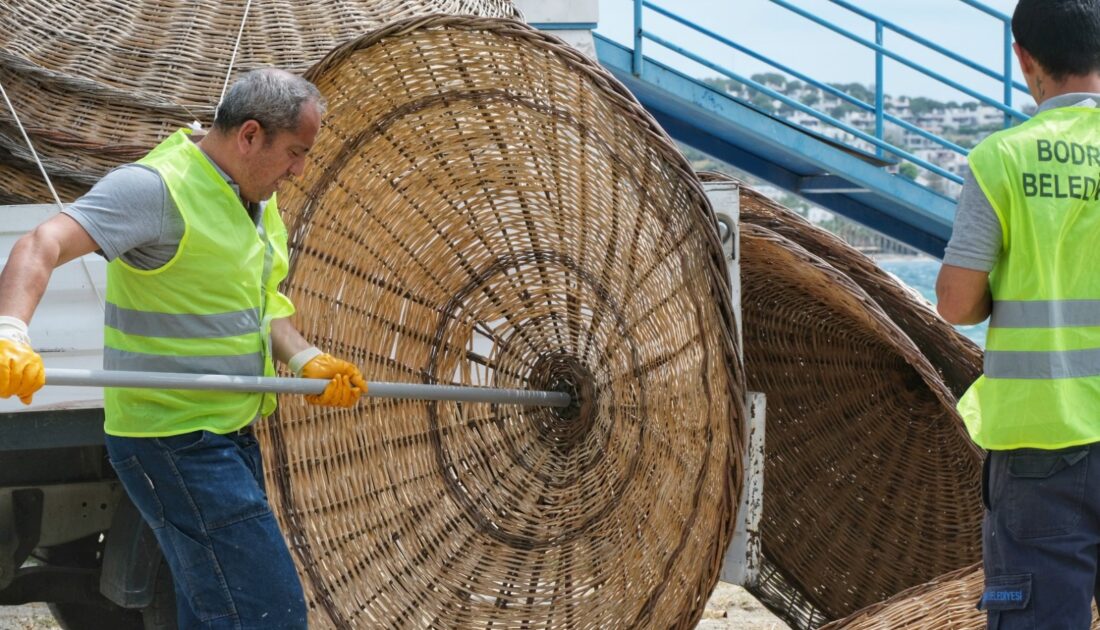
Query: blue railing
[(878, 140)]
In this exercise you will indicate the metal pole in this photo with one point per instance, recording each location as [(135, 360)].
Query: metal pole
[(1008, 71), (879, 90), (226, 383), (637, 60)]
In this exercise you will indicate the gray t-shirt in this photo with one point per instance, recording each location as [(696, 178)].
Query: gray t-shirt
[(976, 238), (131, 216)]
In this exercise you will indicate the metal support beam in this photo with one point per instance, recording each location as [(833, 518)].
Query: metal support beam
[(821, 184), (564, 26), (51, 429), (725, 198), (744, 556)]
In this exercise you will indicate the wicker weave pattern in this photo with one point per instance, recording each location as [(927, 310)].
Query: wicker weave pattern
[(872, 483), (181, 50), (27, 186), (100, 82), (946, 603), (955, 357), (486, 206)]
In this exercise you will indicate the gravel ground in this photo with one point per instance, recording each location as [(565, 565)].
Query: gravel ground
[(729, 608), (28, 617), (732, 608)]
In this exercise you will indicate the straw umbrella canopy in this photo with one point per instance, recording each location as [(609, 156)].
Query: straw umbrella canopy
[(957, 358), (98, 83), (871, 483), (486, 206), (947, 602)]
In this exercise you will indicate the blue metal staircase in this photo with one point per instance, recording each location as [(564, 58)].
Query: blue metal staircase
[(854, 176)]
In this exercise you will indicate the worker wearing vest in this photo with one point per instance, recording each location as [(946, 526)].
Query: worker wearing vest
[(203, 299), (1025, 252)]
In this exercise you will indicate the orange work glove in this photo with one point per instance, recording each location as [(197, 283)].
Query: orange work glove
[(21, 370), (346, 384)]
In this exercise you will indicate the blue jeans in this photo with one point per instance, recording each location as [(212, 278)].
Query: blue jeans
[(1041, 537), (203, 496)]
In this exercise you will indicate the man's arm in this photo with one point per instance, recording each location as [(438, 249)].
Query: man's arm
[(962, 295), (31, 262), (962, 288), (22, 283), (286, 341), (307, 361)]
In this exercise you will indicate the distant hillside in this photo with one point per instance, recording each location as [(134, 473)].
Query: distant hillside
[(962, 123)]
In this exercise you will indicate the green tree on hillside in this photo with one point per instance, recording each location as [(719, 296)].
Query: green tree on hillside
[(770, 78), (908, 171), (856, 90), (763, 101), (920, 105)]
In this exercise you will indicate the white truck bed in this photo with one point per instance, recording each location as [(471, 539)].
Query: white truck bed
[(67, 328)]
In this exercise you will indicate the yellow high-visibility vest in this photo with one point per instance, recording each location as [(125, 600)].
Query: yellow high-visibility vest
[(206, 311), (1041, 383)]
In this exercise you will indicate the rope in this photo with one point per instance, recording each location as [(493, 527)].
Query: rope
[(49, 184), (233, 57)]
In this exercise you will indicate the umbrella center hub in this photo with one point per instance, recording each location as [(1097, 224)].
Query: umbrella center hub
[(565, 427)]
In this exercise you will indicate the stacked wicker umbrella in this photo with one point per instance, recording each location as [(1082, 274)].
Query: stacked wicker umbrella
[(98, 83), (957, 359), (947, 602), (871, 484), (486, 206)]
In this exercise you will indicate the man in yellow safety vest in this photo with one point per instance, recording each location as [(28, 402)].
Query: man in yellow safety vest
[(197, 251), (1025, 250)]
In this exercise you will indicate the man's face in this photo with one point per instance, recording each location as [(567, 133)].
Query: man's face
[(271, 158)]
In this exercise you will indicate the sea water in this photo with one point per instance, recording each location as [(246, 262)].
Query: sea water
[(920, 273)]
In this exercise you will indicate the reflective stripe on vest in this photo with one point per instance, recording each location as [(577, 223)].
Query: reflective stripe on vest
[(183, 325), (1045, 313), (1041, 384), (1042, 365), (208, 310), (249, 364)]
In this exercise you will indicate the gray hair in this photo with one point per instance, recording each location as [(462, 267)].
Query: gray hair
[(271, 97)]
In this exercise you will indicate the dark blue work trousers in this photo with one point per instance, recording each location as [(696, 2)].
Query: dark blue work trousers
[(203, 496), (1041, 537)]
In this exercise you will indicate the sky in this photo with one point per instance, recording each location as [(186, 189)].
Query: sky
[(780, 34)]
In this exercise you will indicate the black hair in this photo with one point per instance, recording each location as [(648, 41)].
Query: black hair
[(1062, 35)]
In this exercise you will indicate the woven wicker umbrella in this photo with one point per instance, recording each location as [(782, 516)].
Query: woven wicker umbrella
[(181, 51), (871, 484), (100, 82), (486, 206), (19, 185), (945, 603), (955, 356)]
